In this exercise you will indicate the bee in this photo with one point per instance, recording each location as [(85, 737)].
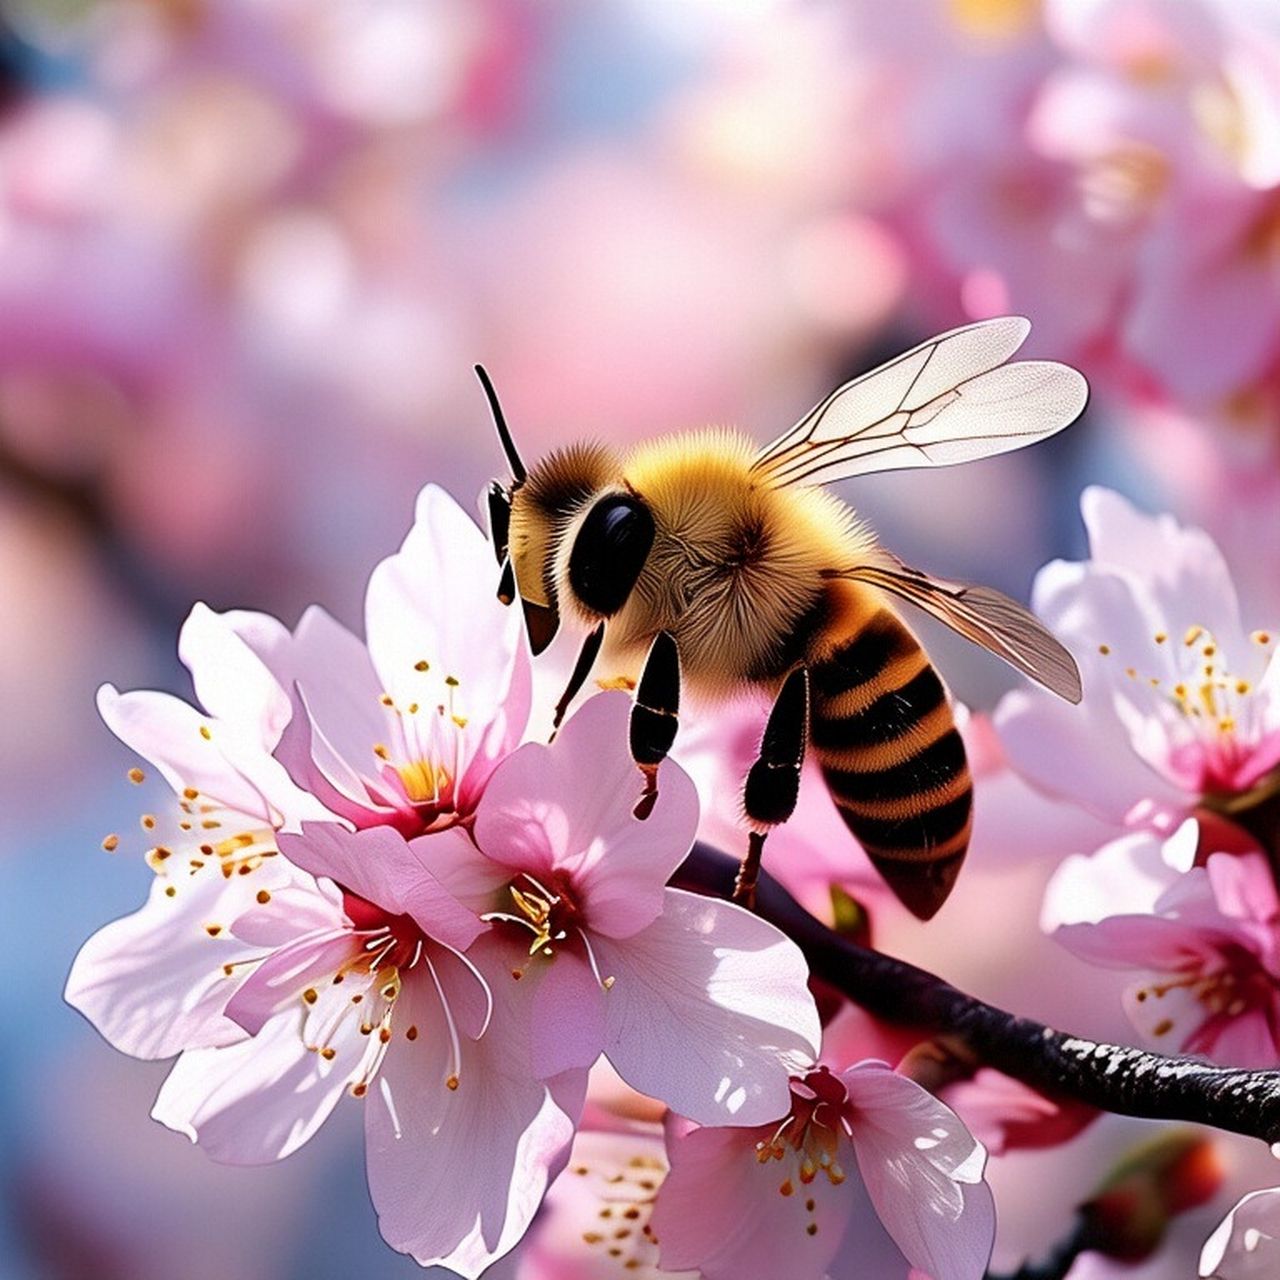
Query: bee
[(700, 560)]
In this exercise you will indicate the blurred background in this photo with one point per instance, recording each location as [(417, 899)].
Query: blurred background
[(251, 249)]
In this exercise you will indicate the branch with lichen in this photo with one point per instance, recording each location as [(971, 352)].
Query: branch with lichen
[(1114, 1078)]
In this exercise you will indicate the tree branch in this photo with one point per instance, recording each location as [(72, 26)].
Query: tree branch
[(1111, 1077)]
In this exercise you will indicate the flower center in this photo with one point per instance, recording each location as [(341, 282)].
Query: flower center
[(423, 756), (813, 1130), (550, 915), (1213, 720), (385, 948), (1226, 986)]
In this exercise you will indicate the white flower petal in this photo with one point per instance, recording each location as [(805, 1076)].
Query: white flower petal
[(259, 1100), (709, 1011)]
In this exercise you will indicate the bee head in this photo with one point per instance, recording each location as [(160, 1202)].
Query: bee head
[(531, 517)]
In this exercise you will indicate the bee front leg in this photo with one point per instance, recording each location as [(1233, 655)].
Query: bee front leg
[(654, 716), (581, 670), (773, 783)]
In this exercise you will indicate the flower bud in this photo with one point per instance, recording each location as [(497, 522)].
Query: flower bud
[(1129, 1212)]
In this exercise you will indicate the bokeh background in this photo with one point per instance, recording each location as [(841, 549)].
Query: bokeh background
[(250, 251)]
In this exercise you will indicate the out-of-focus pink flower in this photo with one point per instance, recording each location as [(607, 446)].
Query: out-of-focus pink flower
[(866, 1175), (1246, 1244), (1208, 947), (1181, 704), (694, 1001), (595, 1220)]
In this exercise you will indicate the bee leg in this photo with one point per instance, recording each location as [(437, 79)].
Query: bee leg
[(654, 715), (773, 783), (581, 669)]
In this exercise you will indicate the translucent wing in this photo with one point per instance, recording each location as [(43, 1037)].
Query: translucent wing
[(983, 615), (949, 400)]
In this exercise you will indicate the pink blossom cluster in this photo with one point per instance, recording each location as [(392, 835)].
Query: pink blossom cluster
[(1176, 747), (370, 886), (1122, 178), (1109, 168)]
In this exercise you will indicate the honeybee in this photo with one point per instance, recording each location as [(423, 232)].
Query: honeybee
[(703, 560)]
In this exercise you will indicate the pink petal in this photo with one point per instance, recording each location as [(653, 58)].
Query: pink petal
[(537, 816), (709, 1011), (923, 1172), (477, 881), (722, 1211), (552, 1016), (568, 1016), (259, 1100), (153, 983), (1246, 1244), (232, 682), (192, 750), (379, 865), (435, 601), (277, 984), (457, 1174)]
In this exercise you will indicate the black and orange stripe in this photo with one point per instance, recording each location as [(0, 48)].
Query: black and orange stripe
[(883, 732)]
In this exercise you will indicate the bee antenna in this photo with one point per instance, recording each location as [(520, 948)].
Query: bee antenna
[(518, 472)]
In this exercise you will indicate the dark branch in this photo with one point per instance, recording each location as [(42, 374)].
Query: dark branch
[(1111, 1077)]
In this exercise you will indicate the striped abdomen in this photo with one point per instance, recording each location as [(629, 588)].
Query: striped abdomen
[(884, 735)]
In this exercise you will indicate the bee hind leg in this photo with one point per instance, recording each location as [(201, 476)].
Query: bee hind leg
[(773, 783), (654, 716)]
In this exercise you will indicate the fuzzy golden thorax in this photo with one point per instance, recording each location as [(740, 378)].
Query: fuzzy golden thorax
[(735, 573)]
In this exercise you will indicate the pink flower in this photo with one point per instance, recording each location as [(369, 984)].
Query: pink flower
[(283, 992), (404, 727), (1181, 703), (694, 1001), (595, 1219), (1208, 946), (866, 1175), (1246, 1244), (362, 990)]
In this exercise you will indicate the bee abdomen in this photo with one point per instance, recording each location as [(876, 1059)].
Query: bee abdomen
[(884, 735)]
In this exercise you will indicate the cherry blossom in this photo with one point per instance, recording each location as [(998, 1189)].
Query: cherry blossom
[(694, 1001), (1207, 947), (405, 727), (1246, 1244), (1181, 703), (283, 991), (865, 1175), (362, 991), (595, 1219)]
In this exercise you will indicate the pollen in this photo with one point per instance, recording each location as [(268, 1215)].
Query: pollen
[(205, 733), (136, 776), (111, 843)]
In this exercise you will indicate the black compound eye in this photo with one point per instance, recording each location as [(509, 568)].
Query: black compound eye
[(609, 552)]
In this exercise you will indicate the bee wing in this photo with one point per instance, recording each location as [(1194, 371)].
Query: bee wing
[(983, 615), (949, 400)]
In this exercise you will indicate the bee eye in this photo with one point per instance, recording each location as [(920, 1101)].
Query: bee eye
[(609, 552)]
